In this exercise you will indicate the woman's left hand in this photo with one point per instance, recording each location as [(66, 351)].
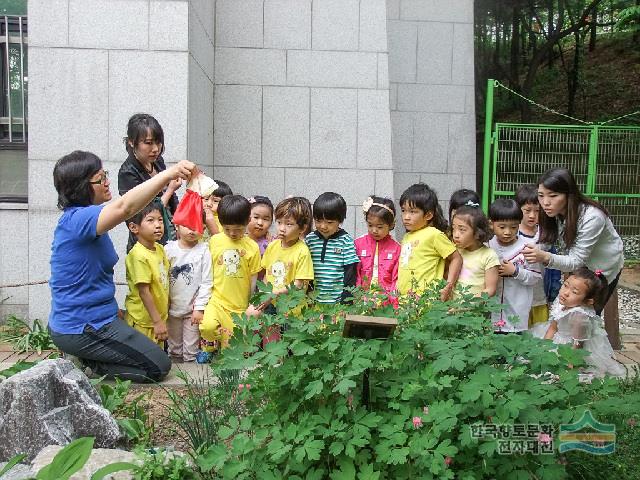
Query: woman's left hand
[(533, 254), (184, 169)]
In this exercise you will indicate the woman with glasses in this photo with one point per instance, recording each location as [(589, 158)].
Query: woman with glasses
[(145, 145), (84, 313)]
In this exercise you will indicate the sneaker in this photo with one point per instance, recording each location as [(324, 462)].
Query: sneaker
[(204, 357)]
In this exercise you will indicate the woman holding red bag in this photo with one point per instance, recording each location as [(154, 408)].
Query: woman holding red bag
[(145, 145)]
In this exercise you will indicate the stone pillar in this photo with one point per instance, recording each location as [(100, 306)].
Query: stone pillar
[(432, 94), (302, 100), (92, 64)]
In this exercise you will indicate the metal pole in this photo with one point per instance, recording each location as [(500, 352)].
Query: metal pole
[(488, 127), (593, 158), (6, 37), (24, 113)]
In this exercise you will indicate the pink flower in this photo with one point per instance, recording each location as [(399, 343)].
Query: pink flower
[(417, 422), (247, 386), (544, 438), (350, 400), (322, 317), (448, 461), (425, 409), (240, 387), (500, 323), (420, 356), (631, 422)]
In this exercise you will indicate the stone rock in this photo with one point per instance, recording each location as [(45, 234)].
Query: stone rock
[(99, 458), (52, 403)]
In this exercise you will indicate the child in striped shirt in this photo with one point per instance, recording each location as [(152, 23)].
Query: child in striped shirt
[(332, 250)]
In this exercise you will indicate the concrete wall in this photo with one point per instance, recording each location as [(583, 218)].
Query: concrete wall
[(432, 97), (92, 64), (301, 99)]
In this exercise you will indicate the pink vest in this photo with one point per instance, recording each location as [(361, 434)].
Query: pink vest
[(388, 256)]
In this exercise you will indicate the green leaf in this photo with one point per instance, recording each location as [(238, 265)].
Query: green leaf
[(347, 470), (313, 389), (132, 427), (313, 449), (441, 364), (13, 461), (367, 473), (370, 420), (344, 386), (112, 468), (225, 432), (398, 456), (336, 448), (68, 460), (214, 457)]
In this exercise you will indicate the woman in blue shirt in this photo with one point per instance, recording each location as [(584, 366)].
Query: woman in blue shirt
[(84, 313)]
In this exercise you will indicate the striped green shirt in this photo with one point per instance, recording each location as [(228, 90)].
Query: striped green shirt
[(330, 256)]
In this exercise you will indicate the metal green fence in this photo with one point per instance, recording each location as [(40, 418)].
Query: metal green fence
[(605, 160)]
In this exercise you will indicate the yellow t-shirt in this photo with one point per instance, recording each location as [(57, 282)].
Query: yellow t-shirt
[(474, 266), (234, 263), (422, 258), (285, 265), (152, 267)]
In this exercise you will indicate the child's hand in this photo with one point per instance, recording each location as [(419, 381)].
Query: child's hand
[(160, 331), (174, 184), (253, 311), (196, 317), (507, 269), (445, 293)]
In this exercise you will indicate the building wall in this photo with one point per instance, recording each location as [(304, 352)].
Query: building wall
[(92, 64), (301, 100), (279, 97), (432, 94)]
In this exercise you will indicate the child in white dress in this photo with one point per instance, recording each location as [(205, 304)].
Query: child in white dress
[(573, 320)]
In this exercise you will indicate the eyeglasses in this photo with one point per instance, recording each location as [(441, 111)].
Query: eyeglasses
[(102, 180)]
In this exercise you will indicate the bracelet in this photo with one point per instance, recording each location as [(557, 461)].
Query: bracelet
[(516, 271)]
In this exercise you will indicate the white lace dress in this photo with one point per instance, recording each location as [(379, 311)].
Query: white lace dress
[(582, 324)]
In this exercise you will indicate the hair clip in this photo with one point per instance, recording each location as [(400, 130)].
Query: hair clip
[(251, 199), (368, 203), (471, 203), (598, 272)]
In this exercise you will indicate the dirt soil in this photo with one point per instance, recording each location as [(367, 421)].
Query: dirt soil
[(631, 276)]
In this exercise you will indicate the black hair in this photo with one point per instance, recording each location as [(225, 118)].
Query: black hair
[(505, 209), (138, 127), (527, 193), (234, 210), (330, 206), (296, 208), (597, 286), (388, 217), (560, 180), (71, 176), (477, 220), (223, 190), (309, 209), (259, 200), (421, 196), (462, 197), (151, 207)]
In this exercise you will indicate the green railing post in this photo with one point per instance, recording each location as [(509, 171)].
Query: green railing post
[(593, 160), (488, 127)]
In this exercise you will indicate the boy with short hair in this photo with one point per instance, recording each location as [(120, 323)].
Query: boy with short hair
[(517, 276), (527, 200), (236, 262), (147, 302), (210, 206), (332, 250)]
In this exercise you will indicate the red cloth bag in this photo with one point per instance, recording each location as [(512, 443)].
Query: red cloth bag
[(189, 212)]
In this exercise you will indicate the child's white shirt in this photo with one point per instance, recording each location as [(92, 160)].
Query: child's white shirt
[(539, 297), (190, 278), (515, 293)]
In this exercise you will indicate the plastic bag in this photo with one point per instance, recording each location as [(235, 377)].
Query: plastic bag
[(189, 212)]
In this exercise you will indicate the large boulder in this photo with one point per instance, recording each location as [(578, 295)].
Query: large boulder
[(52, 403)]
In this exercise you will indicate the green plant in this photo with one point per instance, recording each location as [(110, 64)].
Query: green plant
[(25, 337), (163, 465), (442, 371), (68, 461), (201, 408), (19, 366), (131, 416)]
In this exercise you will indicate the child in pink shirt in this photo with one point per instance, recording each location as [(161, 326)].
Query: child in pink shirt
[(377, 251)]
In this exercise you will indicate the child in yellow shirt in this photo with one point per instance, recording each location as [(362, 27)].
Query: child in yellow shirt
[(426, 250), (210, 206), (235, 260), (147, 303)]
